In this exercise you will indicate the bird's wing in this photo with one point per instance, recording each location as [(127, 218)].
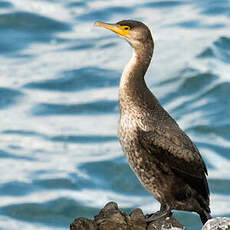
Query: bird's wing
[(175, 149)]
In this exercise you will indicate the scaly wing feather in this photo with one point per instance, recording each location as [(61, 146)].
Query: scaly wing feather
[(174, 148)]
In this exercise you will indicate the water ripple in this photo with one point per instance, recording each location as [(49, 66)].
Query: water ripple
[(220, 50), (219, 186), (16, 188), (104, 14), (79, 79), (76, 4), (163, 4), (214, 8), (194, 24), (96, 107), (9, 97), (4, 4), (31, 22), (84, 139), (195, 83), (206, 130), (4, 154), (215, 98), (100, 175), (26, 28), (223, 46), (59, 212)]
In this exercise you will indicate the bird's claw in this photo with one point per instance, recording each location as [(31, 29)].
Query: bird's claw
[(157, 215)]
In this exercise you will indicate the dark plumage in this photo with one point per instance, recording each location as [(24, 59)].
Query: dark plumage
[(162, 156)]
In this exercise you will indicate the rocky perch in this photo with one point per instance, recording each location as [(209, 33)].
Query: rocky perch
[(219, 223), (111, 218)]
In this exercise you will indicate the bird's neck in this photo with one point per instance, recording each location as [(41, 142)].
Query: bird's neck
[(132, 84)]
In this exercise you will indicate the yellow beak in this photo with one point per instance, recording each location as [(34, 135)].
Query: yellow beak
[(113, 27)]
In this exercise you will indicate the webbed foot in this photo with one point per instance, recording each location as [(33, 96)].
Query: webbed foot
[(164, 212)]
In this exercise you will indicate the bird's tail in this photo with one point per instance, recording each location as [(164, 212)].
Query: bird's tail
[(204, 216), (205, 210)]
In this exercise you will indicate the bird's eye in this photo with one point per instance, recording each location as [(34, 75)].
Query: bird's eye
[(126, 28)]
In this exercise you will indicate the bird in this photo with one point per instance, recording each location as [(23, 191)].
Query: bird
[(163, 157)]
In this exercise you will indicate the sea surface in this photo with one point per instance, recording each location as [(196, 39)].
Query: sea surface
[(59, 76)]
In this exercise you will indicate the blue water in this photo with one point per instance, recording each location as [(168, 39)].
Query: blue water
[(59, 76)]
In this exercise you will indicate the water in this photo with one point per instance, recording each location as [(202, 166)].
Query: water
[(59, 76)]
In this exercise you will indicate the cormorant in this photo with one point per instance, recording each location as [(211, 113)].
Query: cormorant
[(161, 155)]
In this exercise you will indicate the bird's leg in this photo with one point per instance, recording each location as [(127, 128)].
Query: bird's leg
[(164, 211)]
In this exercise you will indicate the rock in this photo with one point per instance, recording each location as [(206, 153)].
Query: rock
[(111, 218), (219, 223), (137, 219), (165, 223), (83, 224)]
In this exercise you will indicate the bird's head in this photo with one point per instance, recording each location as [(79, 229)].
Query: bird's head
[(135, 32)]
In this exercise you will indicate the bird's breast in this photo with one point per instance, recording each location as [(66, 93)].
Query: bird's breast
[(127, 132)]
